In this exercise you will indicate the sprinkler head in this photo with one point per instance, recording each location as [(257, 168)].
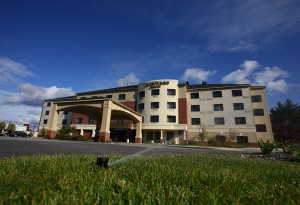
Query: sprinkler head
[(102, 162)]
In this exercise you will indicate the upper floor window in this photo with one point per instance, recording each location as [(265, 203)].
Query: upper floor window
[(141, 106), (258, 112), (217, 94), (171, 105), (195, 108), (83, 98), (47, 112), (141, 94), (171, 118), (218, 107), (154, 105), (45, 121), (240, 120), (122, 96), (91, 120), (238, 106), (79, 120), (154, 118), (261, 128), (237, 93), (194, 95), (171, 91), (195, 121), (155, 92), (219, 121), (48, 104), (256, 98), (64, 121), (109, 96)]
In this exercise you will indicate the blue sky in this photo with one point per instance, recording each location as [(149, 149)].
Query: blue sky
[(54, 48)]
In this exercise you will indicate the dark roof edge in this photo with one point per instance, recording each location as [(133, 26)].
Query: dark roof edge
[(131, 87)]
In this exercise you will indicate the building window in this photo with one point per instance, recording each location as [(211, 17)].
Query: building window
[(64, 121), (45, 122), (256, 98), (155, 92), (109, 96), (171, 91), (83, 98), (236, 93), (194, 95), (48, 104), (171, 105), (238, 106), (242, 139), (171, 118), (217, 94), (141, 106), (122, 96), (261, 128), (154, 105), (218, 107), (79, 120), (219, 121), (91, 120), (120, 121), (154, 118), (46, 112), (240, 120), (196, 121), (195, 108), (141, 94), (258, 112), (65, 113)]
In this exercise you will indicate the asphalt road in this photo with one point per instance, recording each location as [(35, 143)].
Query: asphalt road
[(18, 146)]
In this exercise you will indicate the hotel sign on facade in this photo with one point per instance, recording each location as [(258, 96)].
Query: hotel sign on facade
[(155, 84)]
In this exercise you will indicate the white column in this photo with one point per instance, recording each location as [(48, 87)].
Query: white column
[(93, 133), (81, 132)]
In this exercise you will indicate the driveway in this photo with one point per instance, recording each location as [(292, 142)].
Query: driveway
[(17, 146)]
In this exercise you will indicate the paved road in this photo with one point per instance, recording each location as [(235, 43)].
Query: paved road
[(17, 146)]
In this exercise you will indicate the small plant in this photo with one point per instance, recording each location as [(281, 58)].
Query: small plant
[(232, 133), (43, 133), (266, 147)]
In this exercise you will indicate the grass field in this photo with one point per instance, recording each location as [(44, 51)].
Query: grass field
[(157, 179)]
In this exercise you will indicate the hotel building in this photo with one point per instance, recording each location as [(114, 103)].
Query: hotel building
[(163, 111)]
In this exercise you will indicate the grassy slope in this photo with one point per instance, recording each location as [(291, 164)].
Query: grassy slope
[(160, 179)]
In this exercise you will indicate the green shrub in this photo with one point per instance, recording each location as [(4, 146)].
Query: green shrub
[(266, 147)]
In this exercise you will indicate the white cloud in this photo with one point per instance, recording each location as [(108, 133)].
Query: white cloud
[(241, 76), (130, 79), (196, 75), (33, 95), (271, 77), (10, 70), (19, 114)]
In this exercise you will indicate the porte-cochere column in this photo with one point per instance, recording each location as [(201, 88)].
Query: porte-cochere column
[(104, 134)]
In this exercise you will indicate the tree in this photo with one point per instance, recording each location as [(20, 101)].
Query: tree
[(11, 128), (285, 120), (232, 133), (2, 126), (66, 130)]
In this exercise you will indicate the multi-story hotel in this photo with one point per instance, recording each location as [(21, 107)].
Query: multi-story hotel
[(161, 111)]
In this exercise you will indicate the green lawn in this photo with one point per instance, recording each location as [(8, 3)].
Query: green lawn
[(157, 179)]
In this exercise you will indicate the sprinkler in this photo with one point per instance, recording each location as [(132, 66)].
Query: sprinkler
[(102, 162)]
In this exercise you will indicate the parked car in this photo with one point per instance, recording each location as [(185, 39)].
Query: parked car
[(20, 134)]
